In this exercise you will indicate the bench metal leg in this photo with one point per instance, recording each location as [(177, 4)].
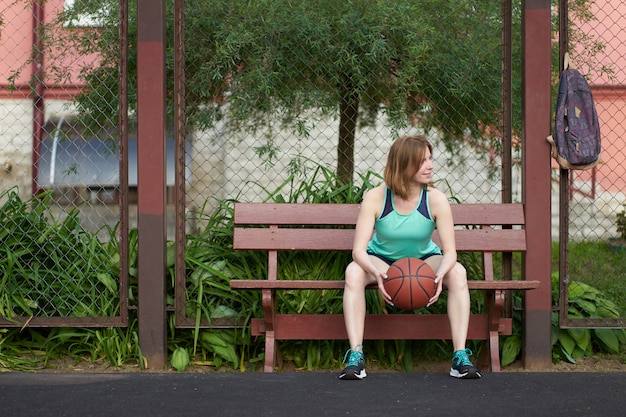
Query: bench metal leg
[(269, 309), (494, 349), (270, 351), (495, 308)]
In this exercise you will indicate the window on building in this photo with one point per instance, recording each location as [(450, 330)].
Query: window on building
[(79, 166)]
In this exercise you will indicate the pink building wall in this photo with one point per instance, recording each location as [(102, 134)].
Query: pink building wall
[(16, 40), (609, 92), (17, 37)]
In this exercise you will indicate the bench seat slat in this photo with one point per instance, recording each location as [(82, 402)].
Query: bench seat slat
[(377, 327), (501, 214), (286, 213), (254, 284), (293, 239), (346, 214), (480, 240)]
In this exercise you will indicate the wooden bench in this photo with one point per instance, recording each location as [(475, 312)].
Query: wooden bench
[(485, 228)]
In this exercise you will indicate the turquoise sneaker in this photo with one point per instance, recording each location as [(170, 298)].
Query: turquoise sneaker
[(462, 367), (355, 367)]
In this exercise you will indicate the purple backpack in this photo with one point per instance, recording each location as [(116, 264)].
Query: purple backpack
[(576, 137)]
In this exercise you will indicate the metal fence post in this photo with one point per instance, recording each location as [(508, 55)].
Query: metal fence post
[(151, 181), (536, 181)]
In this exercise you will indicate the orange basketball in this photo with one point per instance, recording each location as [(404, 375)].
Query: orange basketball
[(410, 283)]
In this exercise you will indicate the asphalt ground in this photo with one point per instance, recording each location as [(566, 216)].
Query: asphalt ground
[(150, 394)]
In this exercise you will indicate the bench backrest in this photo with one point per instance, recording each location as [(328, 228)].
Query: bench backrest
[(480, 227)]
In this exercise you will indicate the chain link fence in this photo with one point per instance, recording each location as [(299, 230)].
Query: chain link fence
[(592, 203), (282, 99), (596, 196), (60, 258)]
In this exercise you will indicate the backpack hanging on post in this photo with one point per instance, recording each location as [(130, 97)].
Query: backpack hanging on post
[(575, 139)]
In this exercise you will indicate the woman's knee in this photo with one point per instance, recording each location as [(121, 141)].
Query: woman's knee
[(355, 276), (457, 277)]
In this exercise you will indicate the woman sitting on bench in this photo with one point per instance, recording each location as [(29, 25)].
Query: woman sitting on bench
[(403, 213)]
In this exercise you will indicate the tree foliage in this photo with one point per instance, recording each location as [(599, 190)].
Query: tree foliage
[(255, 63)]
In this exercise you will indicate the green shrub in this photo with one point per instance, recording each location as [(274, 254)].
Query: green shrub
[(584, 301), (53, 267)]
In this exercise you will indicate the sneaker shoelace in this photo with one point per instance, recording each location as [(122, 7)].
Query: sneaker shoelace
[(462, 358), (353, 358)]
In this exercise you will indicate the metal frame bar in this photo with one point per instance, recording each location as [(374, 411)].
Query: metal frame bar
[(536, 185), (39, 106), (151, 180)]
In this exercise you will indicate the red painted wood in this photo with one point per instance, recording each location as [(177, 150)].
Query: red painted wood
[(479, 240), (254, 284), (346, 214), (151, 211), (306, 214), (536, 184), (377, 327)]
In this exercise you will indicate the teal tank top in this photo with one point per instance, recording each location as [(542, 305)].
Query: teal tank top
[(399, 236)]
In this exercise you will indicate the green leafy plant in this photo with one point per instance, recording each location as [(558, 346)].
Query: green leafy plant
[(11, 353), (211, 263), (586, 301), (53, 266), (571, 344), (180, 359)]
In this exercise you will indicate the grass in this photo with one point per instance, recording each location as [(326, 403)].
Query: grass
[(598, 265)]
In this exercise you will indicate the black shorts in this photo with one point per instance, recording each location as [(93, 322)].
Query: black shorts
[(389, 261)]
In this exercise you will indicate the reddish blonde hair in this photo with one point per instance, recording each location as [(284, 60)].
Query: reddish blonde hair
[(406, 155)]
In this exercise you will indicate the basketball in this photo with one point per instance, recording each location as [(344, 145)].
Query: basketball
[(410, 283)]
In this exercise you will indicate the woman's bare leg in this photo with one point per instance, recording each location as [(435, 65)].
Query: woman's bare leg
[(458, 301), (354, 300)]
